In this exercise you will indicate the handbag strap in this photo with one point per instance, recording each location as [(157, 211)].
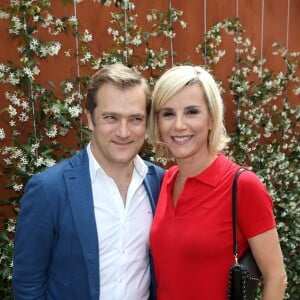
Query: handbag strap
[(234, 213)]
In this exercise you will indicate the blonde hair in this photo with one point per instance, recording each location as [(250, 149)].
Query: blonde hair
[(170, 83)]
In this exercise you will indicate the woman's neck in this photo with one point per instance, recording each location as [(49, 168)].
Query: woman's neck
[(194, 165)]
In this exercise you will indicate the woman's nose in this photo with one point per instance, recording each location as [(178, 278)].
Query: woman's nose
[(180, 122)]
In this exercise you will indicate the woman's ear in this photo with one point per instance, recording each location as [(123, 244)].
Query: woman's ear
[(210, 123)]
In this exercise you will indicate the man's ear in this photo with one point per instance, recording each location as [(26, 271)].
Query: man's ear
[(89, 117)]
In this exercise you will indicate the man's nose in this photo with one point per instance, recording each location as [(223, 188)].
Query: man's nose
[(123, 129)]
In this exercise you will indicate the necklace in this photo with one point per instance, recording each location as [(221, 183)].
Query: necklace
[(179, 178)]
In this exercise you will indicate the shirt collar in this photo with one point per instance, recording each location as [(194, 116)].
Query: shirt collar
[(139, 165), (210, 176), (216, 171)]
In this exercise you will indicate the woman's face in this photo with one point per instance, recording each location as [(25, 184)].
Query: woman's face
[(184, 123)]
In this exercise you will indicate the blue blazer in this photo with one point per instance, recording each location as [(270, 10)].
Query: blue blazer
[(56, 253)]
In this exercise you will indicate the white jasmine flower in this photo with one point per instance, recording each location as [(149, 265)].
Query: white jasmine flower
[(12, 111), (11, 225), (297, 90), (13, 98), (34, 147), (215, 60), (52, 131), (75, 111), (23, 117), (33, 44), (2, 134), (55, 109), (86, 58), (107, 3), (240, 89), (183, 24), (39, 161), (28, 3), (67, 53), (131, 6), (69, 100), (73, 20), (69, 87), (137, 40), (24, 160), (247, 42), (59, 23), (48, 21), (36, 70), (250, 58), (169, 34), (87, 36), (3, 15), (12, 79), (17, 187), (49, 162), (8, 161), (20, 49), (54, 48), (16, 26), (3, 68), (63, 131), (28, 72), (269, 84), (12, 123), (43, 51)]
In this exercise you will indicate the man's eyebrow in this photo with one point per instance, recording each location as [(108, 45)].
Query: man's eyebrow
[(111, 113), (105, 113), (138, 115)]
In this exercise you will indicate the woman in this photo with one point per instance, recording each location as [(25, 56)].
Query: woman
[(191, 235)]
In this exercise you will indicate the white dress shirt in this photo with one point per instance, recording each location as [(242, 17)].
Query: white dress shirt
[(123, 233)]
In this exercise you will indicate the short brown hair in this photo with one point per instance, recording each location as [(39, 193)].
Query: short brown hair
[(119, 75)]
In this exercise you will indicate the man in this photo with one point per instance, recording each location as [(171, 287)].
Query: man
[(83, 226)]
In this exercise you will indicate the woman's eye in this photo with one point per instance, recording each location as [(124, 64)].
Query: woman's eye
[(192, 112), (167, 114)]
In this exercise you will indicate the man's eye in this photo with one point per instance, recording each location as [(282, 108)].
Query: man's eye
[(137, 120), (110, 118)]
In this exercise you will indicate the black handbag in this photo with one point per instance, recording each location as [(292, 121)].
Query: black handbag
[(244, 275)]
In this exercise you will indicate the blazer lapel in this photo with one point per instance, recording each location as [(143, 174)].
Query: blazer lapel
[(152, 185), (81, 200)]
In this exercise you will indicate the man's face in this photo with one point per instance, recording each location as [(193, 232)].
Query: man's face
[(118, 124)]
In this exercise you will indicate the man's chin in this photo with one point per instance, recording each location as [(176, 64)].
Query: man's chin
[(125, 160)]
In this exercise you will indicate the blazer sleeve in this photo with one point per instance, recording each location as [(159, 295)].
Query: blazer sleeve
[(33, 241)]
